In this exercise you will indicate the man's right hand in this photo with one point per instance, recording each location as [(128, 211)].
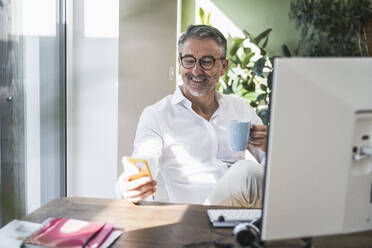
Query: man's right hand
[(138, 189)]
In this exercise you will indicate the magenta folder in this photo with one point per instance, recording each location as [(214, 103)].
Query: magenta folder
[(71, 233)]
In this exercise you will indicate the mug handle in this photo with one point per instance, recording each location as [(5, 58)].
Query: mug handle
[(249, 136)]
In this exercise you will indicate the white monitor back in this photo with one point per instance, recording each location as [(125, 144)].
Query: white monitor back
[(320, 109)]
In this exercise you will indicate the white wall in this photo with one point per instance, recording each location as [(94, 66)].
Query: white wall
[(147, 49), (102, 115), (92, 98)]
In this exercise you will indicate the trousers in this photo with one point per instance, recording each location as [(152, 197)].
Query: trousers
[(240, 186)]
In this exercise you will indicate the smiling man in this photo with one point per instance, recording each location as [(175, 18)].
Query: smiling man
[(183, 136)]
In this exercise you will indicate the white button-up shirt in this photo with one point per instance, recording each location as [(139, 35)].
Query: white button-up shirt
[(190, 152)]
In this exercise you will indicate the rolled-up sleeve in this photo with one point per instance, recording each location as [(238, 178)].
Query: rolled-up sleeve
[(148, 142)]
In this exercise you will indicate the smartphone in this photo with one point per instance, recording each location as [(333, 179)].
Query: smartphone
[(140, 167)]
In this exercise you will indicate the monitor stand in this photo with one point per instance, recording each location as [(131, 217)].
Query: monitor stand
[(308, 242)]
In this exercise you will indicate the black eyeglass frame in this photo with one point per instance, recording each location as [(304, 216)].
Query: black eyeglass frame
[(199, 60)]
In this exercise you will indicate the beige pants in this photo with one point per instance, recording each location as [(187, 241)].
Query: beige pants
[(240, 186)]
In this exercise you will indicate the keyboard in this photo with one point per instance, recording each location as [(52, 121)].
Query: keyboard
[(232, 217)]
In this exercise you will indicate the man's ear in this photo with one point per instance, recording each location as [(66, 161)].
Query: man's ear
[(225, 64)]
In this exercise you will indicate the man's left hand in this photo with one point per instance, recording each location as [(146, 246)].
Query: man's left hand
[(258, 137)]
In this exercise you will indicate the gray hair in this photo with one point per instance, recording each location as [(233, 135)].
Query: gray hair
[(203, 32)]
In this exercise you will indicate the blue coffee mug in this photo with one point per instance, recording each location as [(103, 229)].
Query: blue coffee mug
[(238, 134)]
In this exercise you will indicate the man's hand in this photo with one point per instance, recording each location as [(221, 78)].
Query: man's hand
[(258, 137), (138, 189)]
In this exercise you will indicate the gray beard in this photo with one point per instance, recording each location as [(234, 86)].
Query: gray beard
[(195, 93)]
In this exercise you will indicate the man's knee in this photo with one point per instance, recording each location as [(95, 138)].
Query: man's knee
[(246, 169), (247, 183), (241, 186)]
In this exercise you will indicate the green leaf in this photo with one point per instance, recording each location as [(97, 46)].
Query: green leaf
[(251, 86), (261, 97), (247, 50), (238, 41), (252, 96), (225, 77), (235, 85), (208, 19), (246, 60), (228, 90), (265, 42), (233, 50), (219, 87), (258, 66), (221, 84), (254, 104), (263, 87), (248, 35), (262, 35), (202, 15), (239, 88), (264, 115)]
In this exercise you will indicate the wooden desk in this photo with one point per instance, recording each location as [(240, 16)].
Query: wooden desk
[(164, 225)]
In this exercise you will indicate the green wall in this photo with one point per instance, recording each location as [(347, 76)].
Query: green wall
[(254, 16), (187, 14)]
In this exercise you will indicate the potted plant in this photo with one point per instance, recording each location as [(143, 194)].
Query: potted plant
[(249, 72), (331, 27)]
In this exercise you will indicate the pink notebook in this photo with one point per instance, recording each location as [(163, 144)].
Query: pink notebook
[(62, 232)]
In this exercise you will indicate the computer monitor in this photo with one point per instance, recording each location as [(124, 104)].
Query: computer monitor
[(318, 179)]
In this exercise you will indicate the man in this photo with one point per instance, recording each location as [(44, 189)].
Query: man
[(183, 136)]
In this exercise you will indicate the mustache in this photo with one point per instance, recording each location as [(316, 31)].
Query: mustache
[(197, 77)]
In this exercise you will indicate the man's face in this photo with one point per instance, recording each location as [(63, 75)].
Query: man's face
[(198, 81)]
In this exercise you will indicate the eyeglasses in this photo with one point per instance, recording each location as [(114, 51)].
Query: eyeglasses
[(205, 62)]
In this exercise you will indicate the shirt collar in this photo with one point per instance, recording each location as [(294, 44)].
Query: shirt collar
[(178, 96)]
